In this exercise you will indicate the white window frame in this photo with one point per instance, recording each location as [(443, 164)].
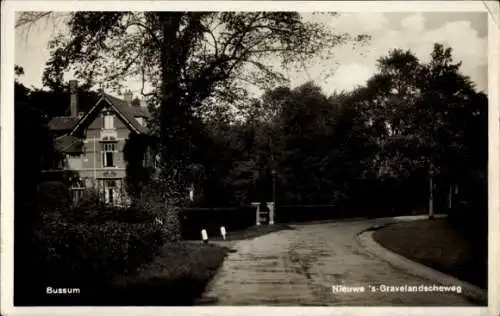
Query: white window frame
[(156, 161), (108, 148), (77, 190), (109, 122), (110, 192)]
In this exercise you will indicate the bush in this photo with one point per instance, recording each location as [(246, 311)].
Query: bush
[(53, 196), (90, 244), (125, 215), (160, 199), (93, 254), (92, 209)]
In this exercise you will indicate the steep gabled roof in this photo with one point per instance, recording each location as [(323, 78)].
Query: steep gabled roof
[(138, 111), (63, 123), (126, 112), (69, 144), (129, 112)]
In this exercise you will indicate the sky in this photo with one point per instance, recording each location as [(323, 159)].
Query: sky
[(465, 32)]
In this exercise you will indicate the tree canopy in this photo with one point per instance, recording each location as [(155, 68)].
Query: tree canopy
[(384, 136), (189, 59), (411, 121)]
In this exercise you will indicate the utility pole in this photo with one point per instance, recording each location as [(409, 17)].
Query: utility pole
[(273, 174), (431, 196), (274, 187)]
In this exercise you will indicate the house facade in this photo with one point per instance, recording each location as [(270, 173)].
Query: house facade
[(93, 142)]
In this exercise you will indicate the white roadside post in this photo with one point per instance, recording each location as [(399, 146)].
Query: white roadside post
[(223, 232), (158, 221), (270, 205), (191, 193), (204, 236), (257, 212)]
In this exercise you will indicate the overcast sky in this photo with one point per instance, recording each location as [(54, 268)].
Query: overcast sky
[(465, 32)]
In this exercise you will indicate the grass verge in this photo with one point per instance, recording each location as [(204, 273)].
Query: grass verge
[(176, 277), (440, 245), (180, 273)]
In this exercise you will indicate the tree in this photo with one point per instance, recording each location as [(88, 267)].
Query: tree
[(138, 153), (390, 98), (418, 114), (187, 57), (33, 152), (444, 111), (304, 127), (34, 149)]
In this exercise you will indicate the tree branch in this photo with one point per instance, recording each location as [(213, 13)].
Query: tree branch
[(148, 30)]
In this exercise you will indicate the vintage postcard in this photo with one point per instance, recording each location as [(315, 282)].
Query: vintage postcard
[(270, 157)]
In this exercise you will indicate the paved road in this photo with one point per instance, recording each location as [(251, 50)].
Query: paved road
[(300, 266)]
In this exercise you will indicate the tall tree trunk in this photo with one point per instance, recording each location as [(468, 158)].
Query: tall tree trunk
[(179, 30), (172, 119), (450, 197), (431, 197)]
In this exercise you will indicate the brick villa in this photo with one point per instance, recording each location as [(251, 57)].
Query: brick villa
[(93, 142)]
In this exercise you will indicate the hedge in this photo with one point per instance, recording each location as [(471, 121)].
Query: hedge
[(193, 220), (90, 214), (53, 196), (93, 254)]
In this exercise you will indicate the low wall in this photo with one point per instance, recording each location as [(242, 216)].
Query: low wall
[(193, 220)]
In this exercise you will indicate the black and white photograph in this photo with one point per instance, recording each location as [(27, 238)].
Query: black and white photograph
[(292, 157)]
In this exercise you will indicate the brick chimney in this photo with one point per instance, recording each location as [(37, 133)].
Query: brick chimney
[(128, 96), (73, 104)]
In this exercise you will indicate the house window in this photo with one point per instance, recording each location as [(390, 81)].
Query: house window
[(109, 121), (110, 188), (157, 161), (77, 190), (110, 191), (108, 155), (140, 120)]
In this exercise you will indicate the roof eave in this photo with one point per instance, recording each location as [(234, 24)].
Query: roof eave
[(110, 102)]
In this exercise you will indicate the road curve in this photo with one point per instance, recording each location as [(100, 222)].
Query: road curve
[(299, 267)]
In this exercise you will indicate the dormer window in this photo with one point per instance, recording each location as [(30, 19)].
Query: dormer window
[(140, 120), (109, 121)]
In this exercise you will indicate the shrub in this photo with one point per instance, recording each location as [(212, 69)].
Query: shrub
[(53, 196), (125, 215), (90, 206), (93, 254), (161, 199), (158, 200), (104, 213), (90, 244), (93, 209)]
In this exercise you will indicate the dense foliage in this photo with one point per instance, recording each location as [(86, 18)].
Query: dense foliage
[(191, 60), (59, 243), (375, 145), (88, 245)]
